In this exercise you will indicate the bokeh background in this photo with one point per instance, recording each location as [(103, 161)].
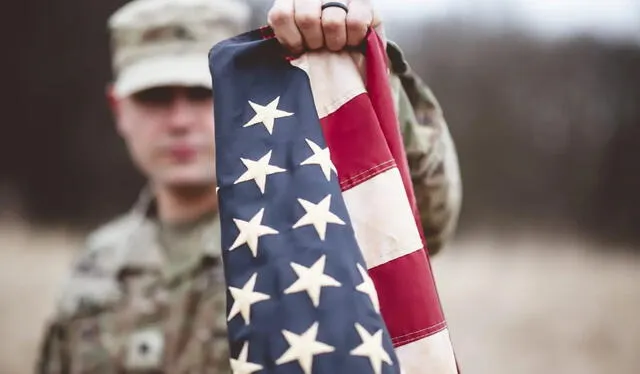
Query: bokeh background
[(542, 98)]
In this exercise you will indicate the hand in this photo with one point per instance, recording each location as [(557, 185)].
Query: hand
[(302, 24)]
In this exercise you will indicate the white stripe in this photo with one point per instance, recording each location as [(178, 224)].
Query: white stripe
[(385, 228), (433, 355), (334, 78)]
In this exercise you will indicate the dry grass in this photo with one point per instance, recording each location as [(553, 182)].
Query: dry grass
[(528, 305), (517, 305), (32, 267)]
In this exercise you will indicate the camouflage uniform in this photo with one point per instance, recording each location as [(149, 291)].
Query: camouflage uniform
[(148, 297), (432, 156), (144, 297)]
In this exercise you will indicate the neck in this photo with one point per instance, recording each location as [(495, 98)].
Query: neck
[(185, 204)]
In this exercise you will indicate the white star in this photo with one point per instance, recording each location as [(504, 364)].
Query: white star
[(368, 288), (250, 231), (243, 298), (258, 171), (318, 215), (312, 280), (322, 158), (372, 348), (267, 114), (303, 347), (241, 366)]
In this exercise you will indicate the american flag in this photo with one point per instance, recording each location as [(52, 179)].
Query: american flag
[(324, 257)]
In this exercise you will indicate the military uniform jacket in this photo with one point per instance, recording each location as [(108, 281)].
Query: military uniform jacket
[(144, 297)]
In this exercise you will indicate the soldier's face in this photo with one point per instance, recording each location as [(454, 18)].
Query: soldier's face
[(170, 134)]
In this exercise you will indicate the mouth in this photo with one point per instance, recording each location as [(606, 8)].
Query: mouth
[(183, 153)]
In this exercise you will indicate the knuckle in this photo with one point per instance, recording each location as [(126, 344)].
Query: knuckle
[(332, 26), (314, 43), (278, 17), (297, 47), (334, 44), (307, 21), (294, 45), (356, 25), (333, 47)]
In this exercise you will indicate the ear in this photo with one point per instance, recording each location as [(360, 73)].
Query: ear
[(114, 104), (112, 100)]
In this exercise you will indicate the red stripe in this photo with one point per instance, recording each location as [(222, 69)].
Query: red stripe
[(407, 284), (377, 83), (408, 299), (266, 32), (365, 140), (357, 144)]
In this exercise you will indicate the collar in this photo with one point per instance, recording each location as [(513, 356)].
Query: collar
[(144, 249)]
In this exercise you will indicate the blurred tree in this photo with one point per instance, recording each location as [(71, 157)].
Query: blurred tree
[(548, 132), (616, 211)]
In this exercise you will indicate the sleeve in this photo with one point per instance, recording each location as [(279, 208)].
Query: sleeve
[(79, 296), (431, 152), (53, 355)]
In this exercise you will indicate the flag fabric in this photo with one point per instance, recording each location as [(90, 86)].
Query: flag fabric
[(324, 255)]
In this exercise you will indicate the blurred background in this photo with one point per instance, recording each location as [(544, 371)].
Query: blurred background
[(542, 99)]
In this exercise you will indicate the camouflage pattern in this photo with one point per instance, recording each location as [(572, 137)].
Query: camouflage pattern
[(146, 297), (143, 297), (146, 29), (164, 42), (431, 152)]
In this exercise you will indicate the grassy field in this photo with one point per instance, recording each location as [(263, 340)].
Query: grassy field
[(514, 305)]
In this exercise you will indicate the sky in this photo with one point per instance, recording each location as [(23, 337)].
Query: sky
[(601, 18)]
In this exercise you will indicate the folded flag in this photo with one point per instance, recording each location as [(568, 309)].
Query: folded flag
[(322, 245)]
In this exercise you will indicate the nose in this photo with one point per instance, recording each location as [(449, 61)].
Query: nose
[(181, 115)]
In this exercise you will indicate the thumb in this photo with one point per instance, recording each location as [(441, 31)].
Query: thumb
[(378, 26)]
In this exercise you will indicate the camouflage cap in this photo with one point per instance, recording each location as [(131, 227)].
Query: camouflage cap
[(166, 42)]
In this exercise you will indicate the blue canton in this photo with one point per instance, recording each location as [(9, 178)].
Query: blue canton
[(299, 299)]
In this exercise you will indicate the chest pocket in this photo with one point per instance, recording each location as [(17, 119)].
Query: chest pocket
[(92, 347), (144, 350), (101, 344), (139, 323), (155, 327)]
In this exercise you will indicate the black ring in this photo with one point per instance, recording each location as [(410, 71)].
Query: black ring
[(336, 4)]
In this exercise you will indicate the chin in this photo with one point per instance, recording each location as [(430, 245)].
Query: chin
[(185, 178)]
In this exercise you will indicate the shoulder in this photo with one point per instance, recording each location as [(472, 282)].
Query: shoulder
[(415, 92), (397, 61), (92, 279), (104, 248), (111, 235)]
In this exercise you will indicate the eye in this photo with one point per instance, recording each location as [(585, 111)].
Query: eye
[(159, 96), (155, 96), (199, 93)]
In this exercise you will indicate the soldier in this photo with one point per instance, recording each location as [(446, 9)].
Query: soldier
[(147, 293)]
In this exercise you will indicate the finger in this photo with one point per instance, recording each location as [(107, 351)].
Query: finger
[(308, 20), (359, 18), (334, 28), (281, 19), (377, 20)]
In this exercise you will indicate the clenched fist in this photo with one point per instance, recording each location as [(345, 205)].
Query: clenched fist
[(303, 25)]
